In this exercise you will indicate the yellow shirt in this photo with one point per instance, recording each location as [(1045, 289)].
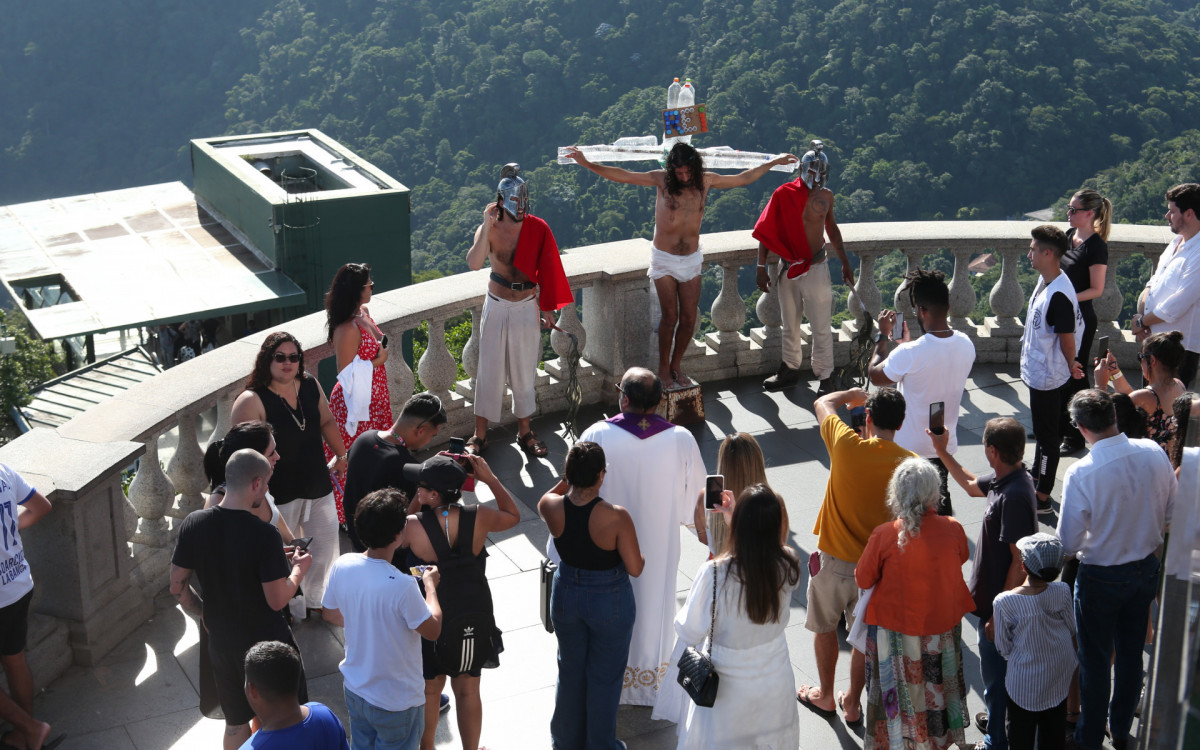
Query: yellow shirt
[(856, 496)]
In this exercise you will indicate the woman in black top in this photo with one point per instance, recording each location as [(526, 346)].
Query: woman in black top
[(1086, 264), (282, 394), (592, 603)]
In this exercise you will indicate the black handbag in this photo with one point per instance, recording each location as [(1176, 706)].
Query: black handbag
[(697, 675), (547, 584)]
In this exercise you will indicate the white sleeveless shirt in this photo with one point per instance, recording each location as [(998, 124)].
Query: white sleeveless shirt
[(1042, 363)]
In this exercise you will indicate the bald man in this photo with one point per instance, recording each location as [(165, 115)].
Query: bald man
[(247, 579)]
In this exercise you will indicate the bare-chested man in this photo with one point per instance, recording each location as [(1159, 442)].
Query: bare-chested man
[(675, 258), (524, 258), (803, 284)]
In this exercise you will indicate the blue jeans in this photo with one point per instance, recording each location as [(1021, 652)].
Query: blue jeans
[(593, 613), (1112, 604), (995, 696), (372, 728)]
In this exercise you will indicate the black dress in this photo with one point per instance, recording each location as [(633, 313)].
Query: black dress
[(301, 471)]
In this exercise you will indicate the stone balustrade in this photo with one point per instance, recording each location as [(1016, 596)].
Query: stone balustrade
[(100, 557)]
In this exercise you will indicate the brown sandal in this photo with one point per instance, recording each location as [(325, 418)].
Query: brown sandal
[(476, 445), (533, 447)]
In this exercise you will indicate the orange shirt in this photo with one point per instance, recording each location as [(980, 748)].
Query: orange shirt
[(856, 496), (919, 590)]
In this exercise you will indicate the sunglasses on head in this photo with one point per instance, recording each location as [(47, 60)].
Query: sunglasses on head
[(280, 357)]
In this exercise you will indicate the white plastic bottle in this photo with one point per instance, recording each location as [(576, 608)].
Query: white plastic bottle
[(687, 95), (673, 94)]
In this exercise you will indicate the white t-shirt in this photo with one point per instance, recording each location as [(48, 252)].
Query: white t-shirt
[(15, 580), (382, 608), (926, 371)]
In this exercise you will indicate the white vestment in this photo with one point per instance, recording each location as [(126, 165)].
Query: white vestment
[(657, 479)]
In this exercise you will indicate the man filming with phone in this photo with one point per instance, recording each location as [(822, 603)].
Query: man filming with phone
[(860, 467), (928, 369)]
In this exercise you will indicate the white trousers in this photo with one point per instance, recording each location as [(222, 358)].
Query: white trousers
[(510, 340), (316, 517), (811, 293)]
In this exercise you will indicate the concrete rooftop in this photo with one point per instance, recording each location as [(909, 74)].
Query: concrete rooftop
[(143, 695)]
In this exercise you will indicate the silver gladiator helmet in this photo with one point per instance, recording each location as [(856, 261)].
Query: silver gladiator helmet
[(513, 193), (814, 166)]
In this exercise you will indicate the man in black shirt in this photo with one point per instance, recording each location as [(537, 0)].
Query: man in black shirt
[(246, 577), (377, 457)]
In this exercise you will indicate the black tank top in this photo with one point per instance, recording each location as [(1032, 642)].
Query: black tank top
[(575, 545), (301, 471)]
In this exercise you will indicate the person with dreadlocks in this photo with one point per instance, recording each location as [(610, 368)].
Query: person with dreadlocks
[(675, 256), (526, 286), (803, 283), (928, 369)]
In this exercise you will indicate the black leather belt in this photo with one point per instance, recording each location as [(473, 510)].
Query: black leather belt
[(516, 286)]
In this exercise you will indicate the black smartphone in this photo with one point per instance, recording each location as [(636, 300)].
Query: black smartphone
[(898, 331), (302, 542), (458, 445), (858, 418), (383, 341), (937, 417), (714, 485), (1103, 351)]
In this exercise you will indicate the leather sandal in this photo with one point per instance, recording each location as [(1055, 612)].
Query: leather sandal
[(533, 447), (476, 445)]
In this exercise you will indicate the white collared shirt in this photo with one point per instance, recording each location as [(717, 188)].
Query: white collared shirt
[(1173, 292), (1117, 501)]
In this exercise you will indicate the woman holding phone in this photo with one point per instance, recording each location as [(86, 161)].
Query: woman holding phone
[(740, 462), (591, 603), (1086, 264), (360, 400), (1160, 359)]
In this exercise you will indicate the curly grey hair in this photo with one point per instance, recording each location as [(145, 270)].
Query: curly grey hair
[(914, 488)]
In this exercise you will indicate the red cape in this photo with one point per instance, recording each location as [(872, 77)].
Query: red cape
[(780, 228), (537, 257)]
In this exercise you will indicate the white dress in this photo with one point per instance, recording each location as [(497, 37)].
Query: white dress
[(756, 700)]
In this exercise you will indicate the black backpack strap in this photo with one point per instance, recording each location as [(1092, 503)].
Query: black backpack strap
[(466, 530), (437, 537)]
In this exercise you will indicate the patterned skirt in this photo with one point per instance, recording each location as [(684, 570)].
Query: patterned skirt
[(916, 697)]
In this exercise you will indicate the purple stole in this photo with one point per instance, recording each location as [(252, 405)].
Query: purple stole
[(641, 426)]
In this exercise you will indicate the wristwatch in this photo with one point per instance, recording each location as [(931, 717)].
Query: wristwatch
[(879, 336)]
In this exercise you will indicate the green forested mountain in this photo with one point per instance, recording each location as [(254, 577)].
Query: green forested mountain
[(943, 109)]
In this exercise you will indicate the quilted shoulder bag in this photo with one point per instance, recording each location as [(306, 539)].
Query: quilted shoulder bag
[(697, 675)]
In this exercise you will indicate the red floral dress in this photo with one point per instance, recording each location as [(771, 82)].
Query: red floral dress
[(381, 406)]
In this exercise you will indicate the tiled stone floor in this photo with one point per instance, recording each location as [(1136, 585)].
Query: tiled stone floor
[(143, 695)]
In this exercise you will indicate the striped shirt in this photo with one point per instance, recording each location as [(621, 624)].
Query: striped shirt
[(1034, 633)]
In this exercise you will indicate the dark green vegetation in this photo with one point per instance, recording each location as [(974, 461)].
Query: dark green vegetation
[(947, 109)]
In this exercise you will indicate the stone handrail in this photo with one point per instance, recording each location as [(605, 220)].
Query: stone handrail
[(100, 558)]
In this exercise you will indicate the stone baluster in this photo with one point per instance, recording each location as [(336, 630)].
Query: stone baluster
[(186, 468), (728, 309), (1006, 298), (224, 418), (568, 320), (470, 354), (962, 294), (437, 368), (1108, 304), (866, 291), (151, 492), (767, 308), (903, 305), (401, 380)]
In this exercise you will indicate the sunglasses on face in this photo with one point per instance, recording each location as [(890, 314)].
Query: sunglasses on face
[(280, 357)]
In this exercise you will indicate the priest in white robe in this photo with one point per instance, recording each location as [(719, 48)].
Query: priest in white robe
[(656, 472)]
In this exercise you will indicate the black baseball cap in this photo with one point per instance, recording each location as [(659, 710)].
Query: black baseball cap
[(441, 473)]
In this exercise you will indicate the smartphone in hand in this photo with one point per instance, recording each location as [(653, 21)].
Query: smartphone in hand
[(458, 445), (302, 542), (1103, 351), (383, 341), (937, 417), (714, 485), (898, 331)]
